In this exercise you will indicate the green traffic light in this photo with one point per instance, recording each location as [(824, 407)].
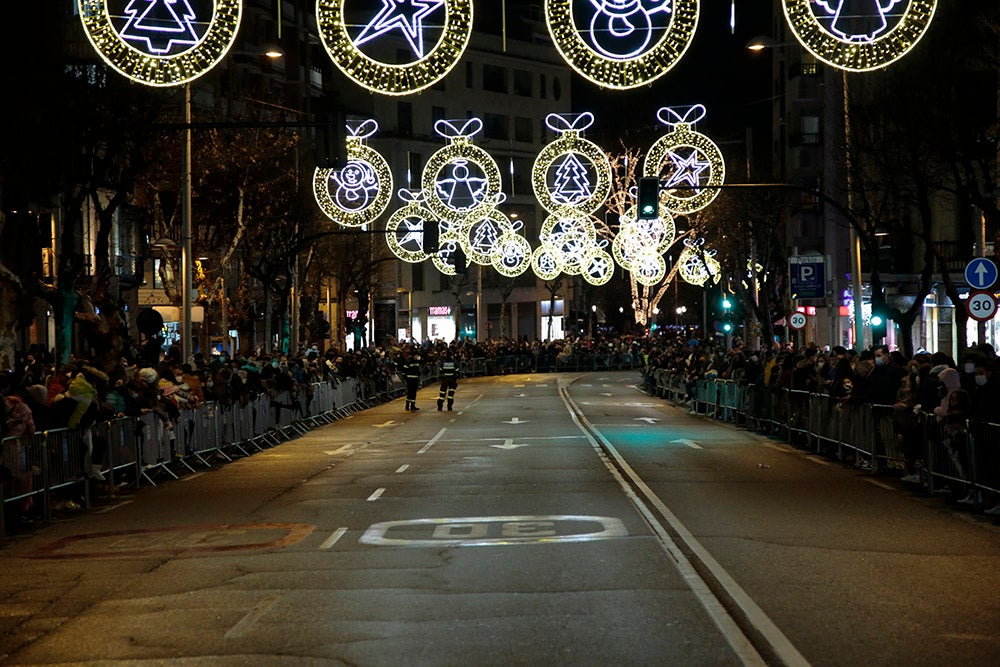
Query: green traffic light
[(727, 304), (877, 320), (727, 327)]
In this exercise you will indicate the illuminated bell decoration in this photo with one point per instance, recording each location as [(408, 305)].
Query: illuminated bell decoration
[(571, 171), (621, 43), (175, 46), (855, 36), (359, 192), (693, 269), (461, 180), (685, 161), (362, 37), (404, 232), (546, 262), (512, 255)]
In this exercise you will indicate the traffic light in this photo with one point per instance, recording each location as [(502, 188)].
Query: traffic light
[(878, 321), (727, 305), (649, 198), (461, 263), (432, 236)]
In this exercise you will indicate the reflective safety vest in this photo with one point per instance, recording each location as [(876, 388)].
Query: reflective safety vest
[(412, 369), (449, 371)]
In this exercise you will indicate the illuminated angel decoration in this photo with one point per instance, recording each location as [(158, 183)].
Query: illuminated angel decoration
[(857, 20)]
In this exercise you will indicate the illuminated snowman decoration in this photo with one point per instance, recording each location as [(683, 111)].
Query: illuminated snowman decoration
[(358, 193), (624, 28)]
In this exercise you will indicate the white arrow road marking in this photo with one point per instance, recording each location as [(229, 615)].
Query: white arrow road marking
[(648, 420), (686, 442), (515, 420), (518, 386), (388, 423), (508, 444)]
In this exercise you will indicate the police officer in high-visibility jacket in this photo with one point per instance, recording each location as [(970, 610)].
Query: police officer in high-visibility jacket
[(449, 382), (411, 369)]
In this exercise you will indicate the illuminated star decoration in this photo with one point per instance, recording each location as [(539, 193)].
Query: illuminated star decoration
[(405, 15), (686, 169), (414, 233), (160, 27), (847, 21)]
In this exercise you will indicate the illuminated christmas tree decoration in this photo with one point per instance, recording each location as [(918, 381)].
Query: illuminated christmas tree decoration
[(621, 43), (546, 262), (685, 159), (571, 171), (859, 36), (359, 192), (461, 179), (512, 255), (598, 267), (697, 265), (161, 42), (404, 232), (358, 33)]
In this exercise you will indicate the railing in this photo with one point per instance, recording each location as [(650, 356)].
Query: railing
[(961, 452)]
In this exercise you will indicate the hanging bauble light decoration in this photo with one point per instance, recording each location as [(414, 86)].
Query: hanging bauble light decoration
[(546, 262), (175, 46), (461, 180), (359, 192), (621, 43), (404, 232), (689, 165), (571, 171), (697, 265), (859, 36), (363, 39), (512, 255), (598, 267)]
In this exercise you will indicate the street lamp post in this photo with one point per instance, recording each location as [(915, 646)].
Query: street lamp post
[(186, 280)]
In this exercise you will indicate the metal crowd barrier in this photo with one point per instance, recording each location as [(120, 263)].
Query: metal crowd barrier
[(961, 453)]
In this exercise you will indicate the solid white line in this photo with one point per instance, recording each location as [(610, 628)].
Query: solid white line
[(190, 477), (247, 622), (105, 510), (738, 641), (402, 468), (816, 459), (378, 494), (881, 485), (330, 541), (430, 443)]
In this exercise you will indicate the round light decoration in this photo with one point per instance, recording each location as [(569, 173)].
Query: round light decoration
[(546, 262), (356, 194), (571, 171), (512, 255), (461, 180), (621, 43), (483, 236), (685, 161), (404, 232), (697, 265), (161, 42), (859, 36), (444, 260), (598, 267), (362, 36)]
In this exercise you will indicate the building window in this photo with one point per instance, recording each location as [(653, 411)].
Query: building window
[(495, 126), (522, 83), (494, 79), (523, 129), (809, 65), (437, 113), (404, 119)]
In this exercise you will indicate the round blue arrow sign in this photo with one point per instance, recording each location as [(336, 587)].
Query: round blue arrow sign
[(980, 273)]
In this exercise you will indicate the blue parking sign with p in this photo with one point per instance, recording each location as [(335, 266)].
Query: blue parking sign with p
[(808, 280)]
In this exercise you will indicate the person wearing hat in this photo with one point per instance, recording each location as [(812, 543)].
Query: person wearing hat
[(449, 381), (411, 369)]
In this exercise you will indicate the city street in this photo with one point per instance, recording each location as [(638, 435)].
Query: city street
[(558, 519)]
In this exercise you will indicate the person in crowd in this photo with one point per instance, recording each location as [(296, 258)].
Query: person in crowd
[(985, 403), (411, 370), (449, 381)]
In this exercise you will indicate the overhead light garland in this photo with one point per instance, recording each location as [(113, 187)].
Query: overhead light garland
[(356, 194), (697, 265), (685, 161), (357, 33), (461, 180), (404, 231), (571, 171), (621, 43), (859, 37), (512, 255), (175, 47)]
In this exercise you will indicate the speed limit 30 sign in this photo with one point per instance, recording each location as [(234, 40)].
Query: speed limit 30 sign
[(981, 306), (797, 321)]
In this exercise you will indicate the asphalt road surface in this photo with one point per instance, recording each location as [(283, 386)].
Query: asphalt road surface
[(548, 520)]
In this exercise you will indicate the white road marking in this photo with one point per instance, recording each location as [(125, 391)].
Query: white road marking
[(515, 420), (385, 424), (687, 442), (341, 450), (190, 477), (648, 420), (430, 443), (334, 536), (508, 444), (816, 459), (111, 508), (247, 622), (377, 494), (402, 468), (881, 485)]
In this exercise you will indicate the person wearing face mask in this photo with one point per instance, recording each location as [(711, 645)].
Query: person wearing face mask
[(985, 401), (882, 384), (967, 369)]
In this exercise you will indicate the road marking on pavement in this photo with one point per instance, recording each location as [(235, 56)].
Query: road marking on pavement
[(508, 444), (430, 443), (111, 508), (881, 485), (687, 442), (341, 450), (816, 459), (190, 477), (515, 420), (402, 468), (248, 621), (377, 494), (330, 541), (385, 424), (481, 531), (778, 448), (648, 420)]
